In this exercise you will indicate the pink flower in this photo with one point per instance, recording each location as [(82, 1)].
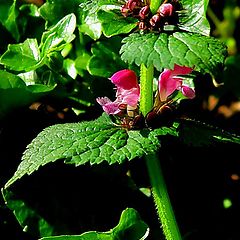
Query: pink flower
[(169, 82), (128, 92)]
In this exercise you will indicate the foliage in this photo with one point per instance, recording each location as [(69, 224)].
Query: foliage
[(62, 53)]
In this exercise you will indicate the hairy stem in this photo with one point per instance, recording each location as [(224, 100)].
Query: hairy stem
[(159, 190), (146, 83), (161, 199)]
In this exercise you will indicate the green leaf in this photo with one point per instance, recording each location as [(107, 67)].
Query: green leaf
[(106, 52), (54, 10), (130, 227), (113, 23), (26, 216), (90, 24), (94, 142), (196, 133), (8, 17), (204, 54), (40, 88), (193, 17), (23, 56), (9, 80), (231, 75), (58, 35), (14, 93)]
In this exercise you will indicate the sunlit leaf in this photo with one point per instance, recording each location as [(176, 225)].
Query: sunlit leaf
[(23, 56), (88, 142)]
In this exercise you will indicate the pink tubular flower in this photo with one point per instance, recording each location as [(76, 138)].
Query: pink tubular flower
[(128, 92), (169, 82)]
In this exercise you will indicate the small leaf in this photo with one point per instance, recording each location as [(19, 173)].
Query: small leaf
[(130, 227), (90, 22), (8, 17), (205, 54), (26, 216), (9, 80), (193, 17), (23, 56), (54, 10), (21, 95), (58, 35), (90, 25), (115, 24), (94, 142), (106, 52)]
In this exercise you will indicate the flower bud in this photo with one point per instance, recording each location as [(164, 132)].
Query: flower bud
[(144, 11), (124, 11), (166, 10), (142, 25), (155, 20), (131, 4)]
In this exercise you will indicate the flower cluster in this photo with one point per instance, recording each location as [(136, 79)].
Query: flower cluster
[(127, 94), (166, 14), (128, 90)]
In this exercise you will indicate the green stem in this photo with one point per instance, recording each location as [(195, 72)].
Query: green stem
[(214, 18), (161, 199), (159, 190), (146, 85)]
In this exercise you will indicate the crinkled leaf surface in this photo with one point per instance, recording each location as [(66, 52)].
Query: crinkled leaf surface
[(94, 142), (193, 16), (23, 56), (203, 53), (130, 227)]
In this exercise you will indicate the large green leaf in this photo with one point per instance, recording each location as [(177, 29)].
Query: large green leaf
[(204, 54), (193, 17), (94, 142), (130, 227), (23, 56)]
